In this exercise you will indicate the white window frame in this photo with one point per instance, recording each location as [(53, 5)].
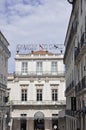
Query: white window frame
[(39, 95), (54, 67), (23, 94), (24, 68), (39, 67), (54, 94)]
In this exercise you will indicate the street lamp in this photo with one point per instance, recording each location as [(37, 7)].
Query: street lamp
[(70, 1)]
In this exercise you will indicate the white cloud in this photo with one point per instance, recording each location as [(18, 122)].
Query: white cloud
[(33, 21)]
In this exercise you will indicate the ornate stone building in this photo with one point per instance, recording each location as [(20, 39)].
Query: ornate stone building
[(75, 62), (36, 91), (4, 55)]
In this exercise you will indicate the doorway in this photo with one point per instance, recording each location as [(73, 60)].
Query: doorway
[(39, 121), (39, 124), (23, 124)]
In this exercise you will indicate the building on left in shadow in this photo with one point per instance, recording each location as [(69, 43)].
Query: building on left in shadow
[(4, 55)]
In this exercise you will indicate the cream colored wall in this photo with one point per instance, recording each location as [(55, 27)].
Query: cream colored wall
[(30, 124), (61, 91), (16, 124), (46, 64), (31, 112), (48, 124), (15, 86), (15, 89), (18, 66)]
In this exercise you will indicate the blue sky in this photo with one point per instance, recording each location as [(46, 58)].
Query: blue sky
[(33, 22)]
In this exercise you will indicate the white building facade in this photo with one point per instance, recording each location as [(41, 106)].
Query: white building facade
[(4, 55), (75, 62), (36, 91)]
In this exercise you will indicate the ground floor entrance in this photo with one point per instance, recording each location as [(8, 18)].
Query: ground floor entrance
[(39, 124), (39, 121), (34, 124)]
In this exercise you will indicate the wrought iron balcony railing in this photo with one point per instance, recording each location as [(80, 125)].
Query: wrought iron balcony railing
[(33, 102), (42, 73), (69, 113), (81, 49), (83, 39), (69, 88), (81, 85)]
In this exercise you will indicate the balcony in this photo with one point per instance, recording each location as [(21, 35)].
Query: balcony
[(3, 86), (37, 103), (81, 86), (5, 49), (81, 49), (69, 112), (39, 74), (69, 88)]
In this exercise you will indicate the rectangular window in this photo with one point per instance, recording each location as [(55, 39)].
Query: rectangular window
[(23, 115), (24, 67), (81, 69), (24, 95), (85, 66), (85, 24), (78, 71), (39, 94), (0, 99), (1, 78), (54, 67), (54, 94), (39, 67), (81, 6)]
